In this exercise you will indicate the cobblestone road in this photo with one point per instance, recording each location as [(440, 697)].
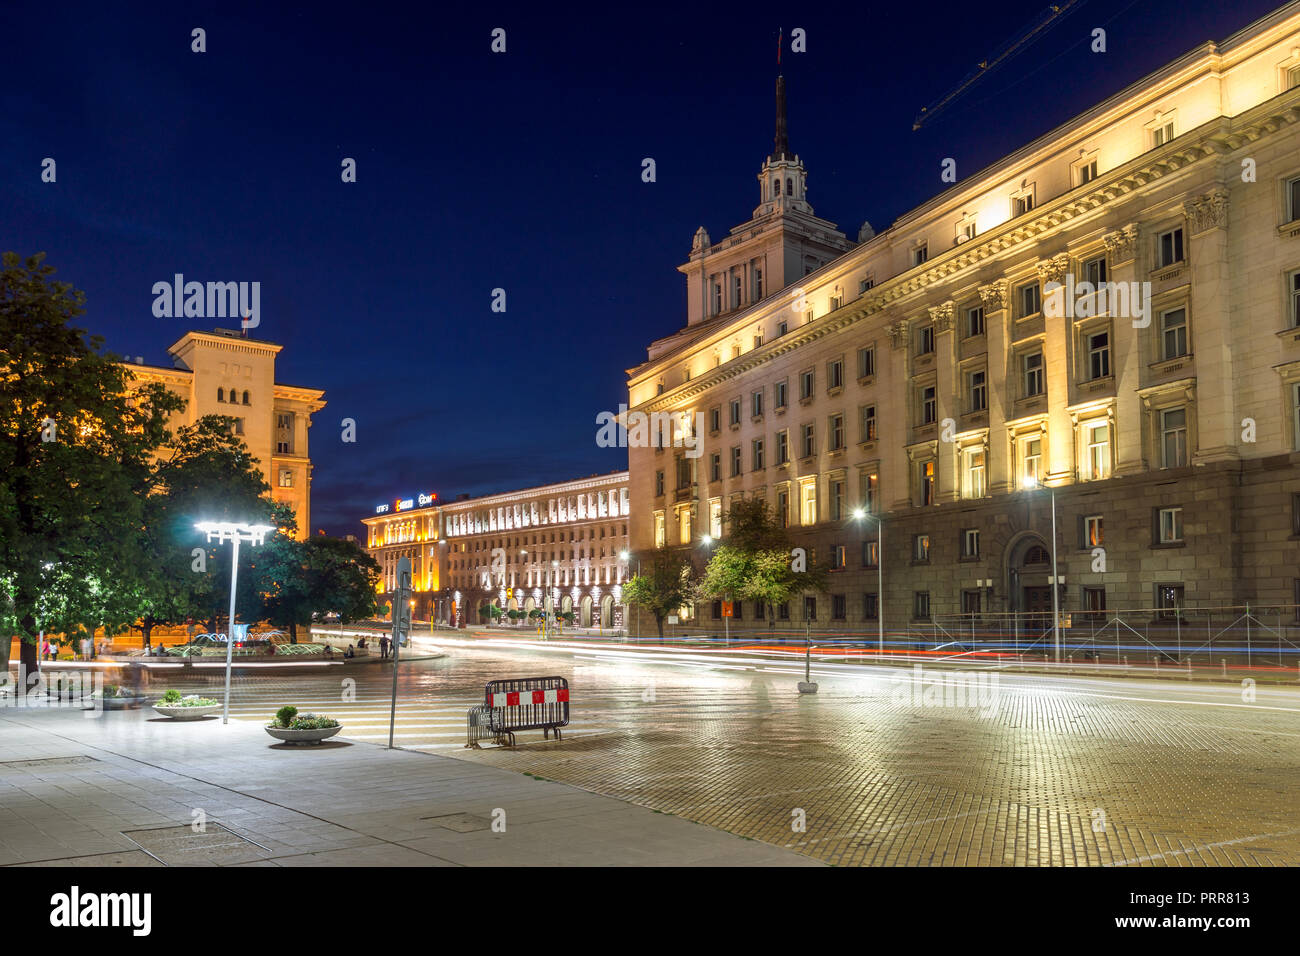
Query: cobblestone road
[(879, 767)]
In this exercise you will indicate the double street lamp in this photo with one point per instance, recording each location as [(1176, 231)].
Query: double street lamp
[(234, 532), (858, 515), (1031, 482)]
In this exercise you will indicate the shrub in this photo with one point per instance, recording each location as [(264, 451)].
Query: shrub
[(171, 697), (284, 716)]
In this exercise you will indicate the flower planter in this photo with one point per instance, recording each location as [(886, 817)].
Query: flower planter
[(303, 737), (121, 703), (187, 713)]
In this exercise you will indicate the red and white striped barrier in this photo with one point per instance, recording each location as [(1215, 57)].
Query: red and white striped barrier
[(556, 696)]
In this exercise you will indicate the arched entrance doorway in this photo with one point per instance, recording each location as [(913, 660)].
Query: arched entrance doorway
[(566, 604), (529, 604), (607, 611), (1029, 588), (584, 611)]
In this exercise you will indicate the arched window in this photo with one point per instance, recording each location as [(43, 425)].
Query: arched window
[(221, 394), (1037, 555), (246, 401), (776, 187), (789, 187)]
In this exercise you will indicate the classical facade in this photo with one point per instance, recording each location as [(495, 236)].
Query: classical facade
[(1103, 326), (556, 546), (223, 373), (407, 528)]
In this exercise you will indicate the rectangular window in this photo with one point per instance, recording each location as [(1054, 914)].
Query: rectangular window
[(1033, 467), (735, 291), (733, 412), (976, 486), (808, 503), (717, 297), (867, 356), (735, 460), (778, 394), (1029, 298), (758, 340), (757, 454), (977, 391), (1173, 333), (871, 493), (1022, 204), (1097, 458), (809, 608), (836, 302), (965, 231), (1293, 199), (1162, 134), (929, 405), (1085, 172), (715, 517), (870, 606), (1169, 600), (839, 607), (286, 478), (835, 374), (715, 467), (1093, 531), (782, 328), (837, 557), (870, 554), (836, 489), (756, 404), (783, 508), (864, 285), (836, 432), (1094, 271), (659, 529), (659, 482), (1169, 247), (1292, 81), (715, 418), (925, 340), (974, 322), (927, 483), (868, 424), (970, 543), (1094, 604), (1295, 416), (1098, 355), (920, 254), (921, 547), (782, 447), (1294, 299), (921, 605), (805, 385), (1173, 438), (807, 441), (1170, 525), (1031, 366), (970, 601), (758, 283)]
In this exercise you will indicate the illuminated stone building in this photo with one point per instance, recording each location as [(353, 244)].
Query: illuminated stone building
[(223, 373), (407, 528), (1112, 311)]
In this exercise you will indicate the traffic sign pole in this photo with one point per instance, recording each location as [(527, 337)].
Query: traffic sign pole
[(401, 627)]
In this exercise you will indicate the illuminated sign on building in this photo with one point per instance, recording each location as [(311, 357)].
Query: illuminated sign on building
[(406, 504)]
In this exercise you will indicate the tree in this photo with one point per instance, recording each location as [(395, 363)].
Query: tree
[(663, 583), (755, 562), (292, 581), (75, 457)]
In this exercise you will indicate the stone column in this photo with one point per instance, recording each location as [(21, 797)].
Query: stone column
[(1124, 266), (951, 401), (894, 419), (1057, 359), (1210, 334), (1002, 392)]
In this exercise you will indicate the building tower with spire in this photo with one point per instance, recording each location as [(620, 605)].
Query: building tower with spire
[(781, 243)]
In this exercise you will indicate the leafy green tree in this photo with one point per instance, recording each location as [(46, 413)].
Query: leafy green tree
[(754, 562), (664, 582), (75, 458)]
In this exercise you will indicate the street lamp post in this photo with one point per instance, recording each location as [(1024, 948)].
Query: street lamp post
[(234, 532), (625, 556), (859, 514), (1031, 481)]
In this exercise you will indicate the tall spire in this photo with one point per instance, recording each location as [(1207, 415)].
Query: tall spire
[(782, 146)]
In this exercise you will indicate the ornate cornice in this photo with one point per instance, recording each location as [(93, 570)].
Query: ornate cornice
[(1053, 269), (941, 316), (994, 295), (898, 334)]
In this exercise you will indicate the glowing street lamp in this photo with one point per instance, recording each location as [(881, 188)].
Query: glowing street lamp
[(234, 532), (1031, 482), (858, 515)]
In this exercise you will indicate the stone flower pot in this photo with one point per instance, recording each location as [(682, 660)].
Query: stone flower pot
[(304, 737), (121, 703), (186, 713)]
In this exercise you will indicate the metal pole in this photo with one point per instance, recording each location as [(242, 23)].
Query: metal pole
[(880, 582), (1056, 614), (403, 590), (230, 627)]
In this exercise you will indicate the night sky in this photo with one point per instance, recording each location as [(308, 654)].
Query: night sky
[(478, 170)]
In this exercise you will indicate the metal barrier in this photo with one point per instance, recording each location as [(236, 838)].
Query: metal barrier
[(526, 703), (478, 726)]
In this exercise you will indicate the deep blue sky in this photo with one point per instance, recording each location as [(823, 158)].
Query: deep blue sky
[(478, 171)]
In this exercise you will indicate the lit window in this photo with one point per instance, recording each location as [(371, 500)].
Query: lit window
[(921, 547), (927, 483), (808, 503), (868, 432), (1171, 525), (1033, 465), (1092, 531), (1173, 438), (975, 473), (1098, 451), (286, 478)]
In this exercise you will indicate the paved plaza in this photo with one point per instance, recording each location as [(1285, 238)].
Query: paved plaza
[(672, 758)]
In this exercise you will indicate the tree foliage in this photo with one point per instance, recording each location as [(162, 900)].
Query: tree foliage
[(663, 584)]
